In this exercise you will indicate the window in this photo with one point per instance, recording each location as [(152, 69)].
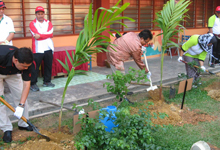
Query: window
[(190, 22), (200, 13), (146, 15), (61, 17), (158, 5), (15, 12), (139, 10), (210, 11), (81, 9), (117, 27), (132, 12), (67, 16)]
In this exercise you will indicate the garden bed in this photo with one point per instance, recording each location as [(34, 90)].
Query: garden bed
[(193, 113)]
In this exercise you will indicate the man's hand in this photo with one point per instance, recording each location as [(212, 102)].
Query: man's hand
[(143, 49), (203, 68), (18, 112), (37, 36), (148, 74), (180, 59)]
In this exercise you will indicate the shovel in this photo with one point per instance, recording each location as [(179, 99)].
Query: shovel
[(148, 84), (199, 67), (24, 119), (151, 86)]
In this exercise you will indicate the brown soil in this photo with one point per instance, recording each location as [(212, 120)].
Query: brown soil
[(64, 139), (177, 116), (59, 140), (213, 90)]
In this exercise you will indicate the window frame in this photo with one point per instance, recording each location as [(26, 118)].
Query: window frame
[(139, 24)]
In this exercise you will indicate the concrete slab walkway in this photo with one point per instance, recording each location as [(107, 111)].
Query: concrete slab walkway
[(80, 93)]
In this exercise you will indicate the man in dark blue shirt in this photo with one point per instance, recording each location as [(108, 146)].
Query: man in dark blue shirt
[(14, 64)]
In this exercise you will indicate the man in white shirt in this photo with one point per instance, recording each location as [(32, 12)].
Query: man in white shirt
[(6, 27), (42, 47)]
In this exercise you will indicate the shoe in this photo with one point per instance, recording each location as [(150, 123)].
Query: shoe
[(28, 128), (7, 138), (130, 93), (212, 65), (34, 88), (48, 84)]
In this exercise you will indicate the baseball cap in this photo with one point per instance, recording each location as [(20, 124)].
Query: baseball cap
[(217, 9), (2, 4), (39, 8)]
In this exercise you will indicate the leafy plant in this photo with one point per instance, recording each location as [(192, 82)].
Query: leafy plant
[(94, 105), (121, 81), (194, 64), (90, 40), (168, 19), (132, 131)]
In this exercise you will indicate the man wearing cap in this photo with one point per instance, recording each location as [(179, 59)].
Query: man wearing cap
[(6, 27), (42, 47), (214, 27), (15, 62)]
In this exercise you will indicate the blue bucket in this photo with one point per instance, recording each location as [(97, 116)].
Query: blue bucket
[(109, 122)]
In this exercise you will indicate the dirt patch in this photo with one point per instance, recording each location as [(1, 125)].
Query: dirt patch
[(59, 140), (213, 90), (176, 115), (213, 147)]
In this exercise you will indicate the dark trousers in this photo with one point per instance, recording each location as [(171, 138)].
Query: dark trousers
[(191, 72), (47, 57), (216, 52)]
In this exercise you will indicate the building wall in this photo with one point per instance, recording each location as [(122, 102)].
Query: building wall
[(69, 40)]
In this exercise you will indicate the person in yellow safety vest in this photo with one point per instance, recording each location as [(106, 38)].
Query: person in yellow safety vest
[(214, 27), (196, 49)]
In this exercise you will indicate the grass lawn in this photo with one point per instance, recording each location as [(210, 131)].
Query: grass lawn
[(182, 138)]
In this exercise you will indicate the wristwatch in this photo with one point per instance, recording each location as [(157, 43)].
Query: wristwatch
[(6, 42), (21, 105)]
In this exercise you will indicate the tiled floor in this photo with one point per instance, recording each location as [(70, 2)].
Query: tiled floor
[(77, 79)]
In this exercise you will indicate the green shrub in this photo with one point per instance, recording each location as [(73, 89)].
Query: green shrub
[(132, 131), (121, 81)]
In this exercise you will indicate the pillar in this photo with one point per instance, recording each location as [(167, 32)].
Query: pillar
[(101, 57)]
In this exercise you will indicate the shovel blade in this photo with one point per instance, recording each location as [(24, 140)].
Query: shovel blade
[(37, 131), (152, 88), (211, 73)]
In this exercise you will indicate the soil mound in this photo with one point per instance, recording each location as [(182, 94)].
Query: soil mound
[(213, 90), (175, 115), (59, 140)]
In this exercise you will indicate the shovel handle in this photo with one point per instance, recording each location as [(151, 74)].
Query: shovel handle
[(24, 119), (198, 67), (147, 84), (145, 59), (12, 108)]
